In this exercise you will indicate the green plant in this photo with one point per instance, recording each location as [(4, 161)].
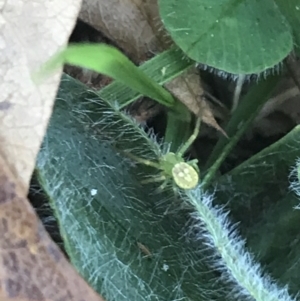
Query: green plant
[(103, 210), (234, 36), (173, 166), (109, 219), (110, 61)]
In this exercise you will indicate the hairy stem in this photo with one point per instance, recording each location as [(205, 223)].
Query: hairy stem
[(232, 259)]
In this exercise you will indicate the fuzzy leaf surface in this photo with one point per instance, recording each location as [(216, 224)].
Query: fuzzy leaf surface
[(259, 198), (235, 36), (128, 241)]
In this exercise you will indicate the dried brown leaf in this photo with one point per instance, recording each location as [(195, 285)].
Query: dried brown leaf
[(187, 88), (32, 266), (30, 32), (134, 25), (144, 109)]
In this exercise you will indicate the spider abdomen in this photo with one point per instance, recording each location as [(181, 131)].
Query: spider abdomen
[(185, 176)]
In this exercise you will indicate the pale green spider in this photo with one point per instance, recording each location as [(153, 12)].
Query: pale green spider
[(172, 165)]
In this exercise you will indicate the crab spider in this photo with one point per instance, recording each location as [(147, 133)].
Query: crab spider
[(173, 166)]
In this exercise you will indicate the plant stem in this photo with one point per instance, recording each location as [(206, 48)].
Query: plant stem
[(226, 150), (236, 264), (239, 123), (178, 126)]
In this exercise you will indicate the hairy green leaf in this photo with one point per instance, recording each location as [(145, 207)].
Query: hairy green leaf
[(109, 221), (127, 240), (258, 196), (291, 10), (235, 36)]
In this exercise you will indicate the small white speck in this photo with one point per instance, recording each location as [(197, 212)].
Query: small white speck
[(217, 21), (212, 35), (163, 71), (94, 192), (297, 7), (165, 267)]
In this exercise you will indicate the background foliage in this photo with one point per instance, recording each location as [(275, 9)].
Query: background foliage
[(107, 219), (234, 36), (130, 241)]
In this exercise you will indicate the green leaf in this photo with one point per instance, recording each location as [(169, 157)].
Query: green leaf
[(109, 221), (236, 36), (262, 203), (291, 10), (111, 62), (161, 68), (104, 211)]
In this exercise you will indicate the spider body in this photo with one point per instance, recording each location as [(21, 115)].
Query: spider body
[(173, 166), (168, 161), (184, 174)]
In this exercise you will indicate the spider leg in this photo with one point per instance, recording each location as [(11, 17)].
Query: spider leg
[(163, 185), (158, 179), (192, 138), (154, 180), (175, 189), (142, 161), (194, 164)]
